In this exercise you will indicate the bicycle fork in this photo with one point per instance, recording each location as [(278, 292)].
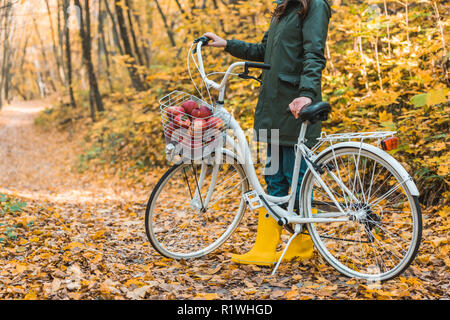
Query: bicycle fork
[(198, 201)]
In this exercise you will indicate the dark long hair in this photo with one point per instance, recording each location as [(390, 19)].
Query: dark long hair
[(281, 9)]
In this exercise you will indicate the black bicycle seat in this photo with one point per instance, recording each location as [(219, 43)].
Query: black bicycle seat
[(314, 112)]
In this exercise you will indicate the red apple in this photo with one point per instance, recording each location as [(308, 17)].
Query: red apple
[(197, 127), (205, 112), (211, 134), (187, 141), (174, 111), (195, 113), (192, 142), (182, 121), (189, 106), (199, 124), (214, 122), (170, 129)]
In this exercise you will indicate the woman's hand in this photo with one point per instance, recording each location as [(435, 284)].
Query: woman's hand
[(298, 104), (217, 41)]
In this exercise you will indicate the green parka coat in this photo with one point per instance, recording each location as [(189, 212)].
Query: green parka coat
[(294, 47)]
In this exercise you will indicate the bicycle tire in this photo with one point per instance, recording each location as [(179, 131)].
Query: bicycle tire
[(372, 227), (171, 252)]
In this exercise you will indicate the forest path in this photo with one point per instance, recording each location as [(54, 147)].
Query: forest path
[(81, 235), (38, 164)]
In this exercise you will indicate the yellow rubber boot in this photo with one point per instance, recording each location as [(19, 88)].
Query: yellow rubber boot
[(263, 252), (301, 248)]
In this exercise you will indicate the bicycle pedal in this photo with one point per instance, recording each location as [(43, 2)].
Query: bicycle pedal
[(253, 200)]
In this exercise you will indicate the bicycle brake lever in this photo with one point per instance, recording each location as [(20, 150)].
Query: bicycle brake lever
[(247, 76)]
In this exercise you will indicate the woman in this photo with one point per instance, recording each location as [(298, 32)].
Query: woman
[(294, 47)]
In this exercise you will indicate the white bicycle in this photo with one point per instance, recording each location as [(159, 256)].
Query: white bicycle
[(359, 204)]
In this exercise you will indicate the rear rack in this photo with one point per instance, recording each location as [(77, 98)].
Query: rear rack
[(353, 136)]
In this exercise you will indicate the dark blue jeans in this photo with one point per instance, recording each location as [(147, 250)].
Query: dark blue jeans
[(279, 170)]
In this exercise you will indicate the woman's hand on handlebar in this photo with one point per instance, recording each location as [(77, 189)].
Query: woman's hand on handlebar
[(216, 40)]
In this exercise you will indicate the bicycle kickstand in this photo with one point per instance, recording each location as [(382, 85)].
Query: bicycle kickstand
[(297, 230)]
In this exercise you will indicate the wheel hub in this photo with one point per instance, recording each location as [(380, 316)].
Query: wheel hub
[(363, 213)]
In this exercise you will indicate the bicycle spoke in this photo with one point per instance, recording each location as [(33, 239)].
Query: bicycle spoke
[(227, 192), (392, 190)]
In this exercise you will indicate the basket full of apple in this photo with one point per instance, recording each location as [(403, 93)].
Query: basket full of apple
[(190, 122)]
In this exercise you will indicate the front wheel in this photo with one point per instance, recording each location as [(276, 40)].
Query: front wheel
[(195, 207), (383, 233)]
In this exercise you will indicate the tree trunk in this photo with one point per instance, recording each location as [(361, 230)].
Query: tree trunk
[(85, 34), (136, 81), (166, 25), (48, 70), (114, 27), (179, 6), (52, 35), (102, 44), (61, 40), (133, 34), (145, 45), (65, 6), (4, 39)]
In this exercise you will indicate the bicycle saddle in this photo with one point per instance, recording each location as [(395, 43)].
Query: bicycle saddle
[(314, 112)]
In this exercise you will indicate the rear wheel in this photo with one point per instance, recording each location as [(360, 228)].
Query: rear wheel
[(182, 221), (383, 234)]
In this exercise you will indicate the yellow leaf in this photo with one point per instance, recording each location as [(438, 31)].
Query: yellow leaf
[(385, 117), (447, 262), (21, 267), (444, 211), (436, 97), (134, 281), (99, 234), (73, 245), (438, 146), (443, 169), (207, 296), (30, 296), (97, 258), (293, 294)]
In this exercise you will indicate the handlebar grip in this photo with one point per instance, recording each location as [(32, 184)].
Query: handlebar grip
[(257, 65), (203, 39)]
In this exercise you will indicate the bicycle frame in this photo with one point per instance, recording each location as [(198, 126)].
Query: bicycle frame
[(241, 151)]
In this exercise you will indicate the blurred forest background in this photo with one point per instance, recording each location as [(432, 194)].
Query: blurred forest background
[(107, 62)]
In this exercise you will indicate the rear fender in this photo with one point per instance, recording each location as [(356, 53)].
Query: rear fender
[(408, 180)]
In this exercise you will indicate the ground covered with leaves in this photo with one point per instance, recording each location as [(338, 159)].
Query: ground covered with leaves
[(71, 235)]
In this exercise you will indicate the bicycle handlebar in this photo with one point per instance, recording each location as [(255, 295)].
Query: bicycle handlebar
[(257, 65), (204, 40)]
